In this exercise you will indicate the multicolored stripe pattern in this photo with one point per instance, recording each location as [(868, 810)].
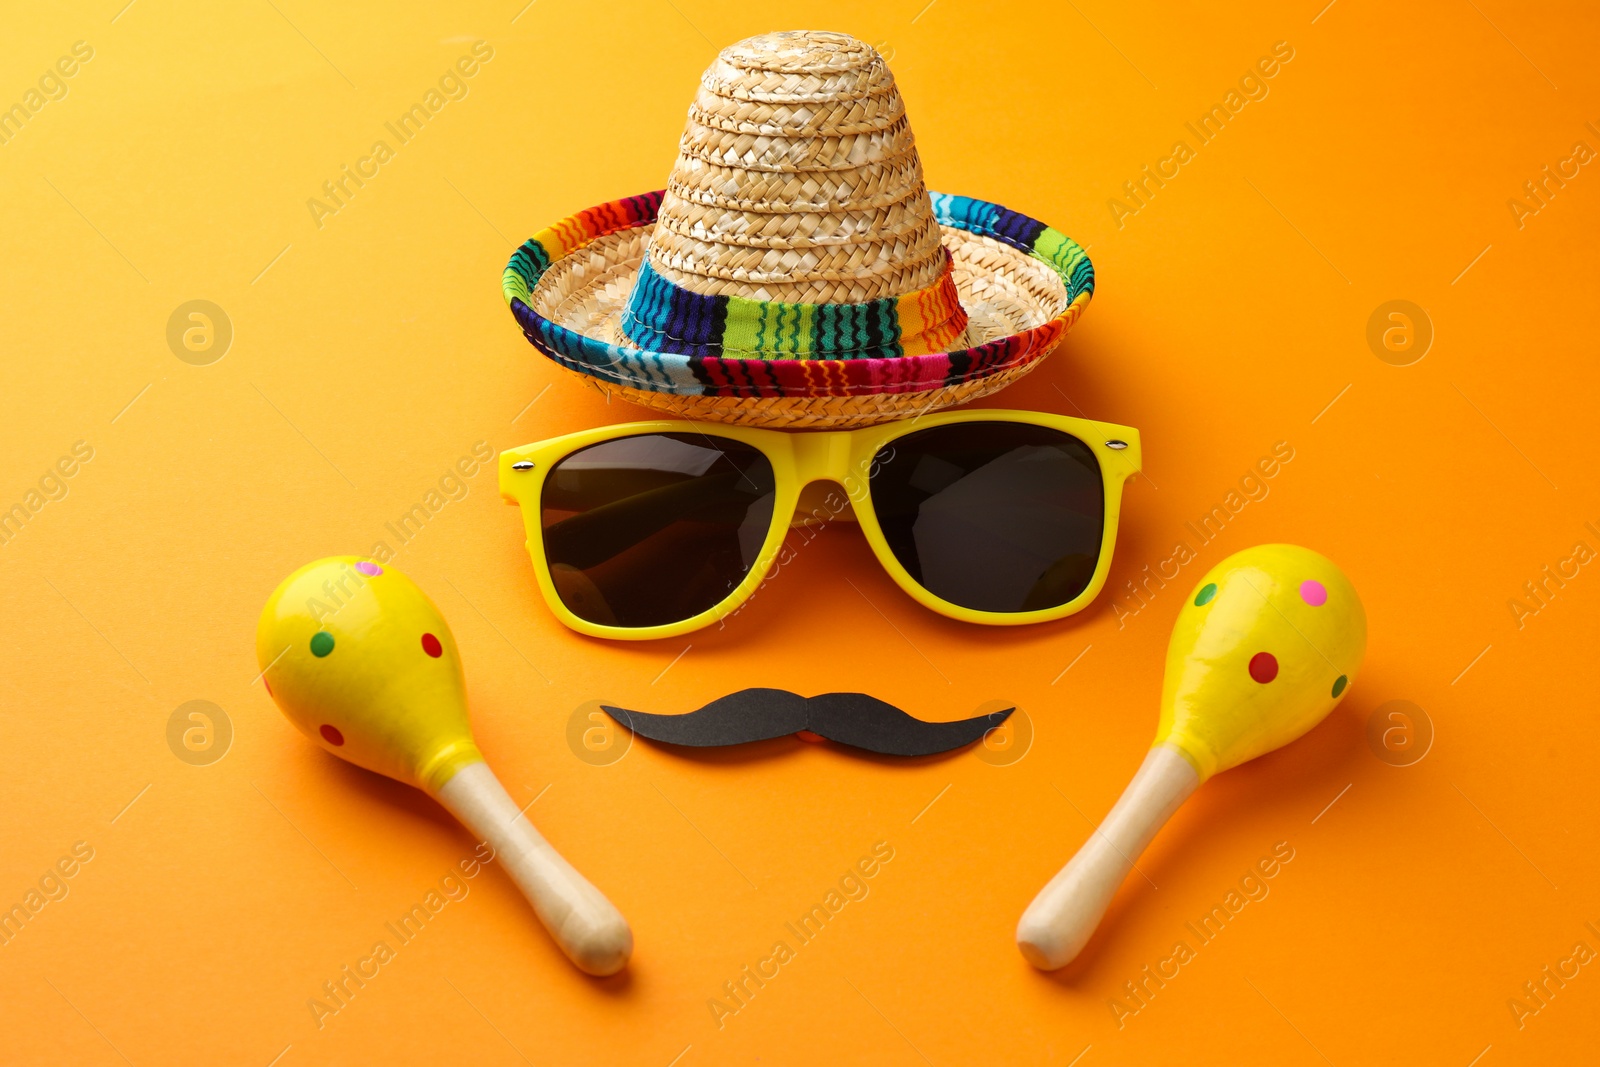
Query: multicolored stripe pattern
[(701, 371), (529, 262), (665, 317)]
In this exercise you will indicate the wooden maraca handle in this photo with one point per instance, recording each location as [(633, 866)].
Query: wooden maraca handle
[(587, 926), (1064, 915)]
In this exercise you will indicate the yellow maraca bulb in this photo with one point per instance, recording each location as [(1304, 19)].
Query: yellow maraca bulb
[(362, 662), (1264, 648)]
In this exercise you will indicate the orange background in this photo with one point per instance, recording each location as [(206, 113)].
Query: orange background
[(371, 353)]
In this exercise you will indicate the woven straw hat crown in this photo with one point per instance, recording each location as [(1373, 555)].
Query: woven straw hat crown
[(797, 181), (796, 271)]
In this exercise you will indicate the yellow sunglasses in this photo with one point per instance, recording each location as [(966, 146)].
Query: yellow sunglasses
[(654, 529)]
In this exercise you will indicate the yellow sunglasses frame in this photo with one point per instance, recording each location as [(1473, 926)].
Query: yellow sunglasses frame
[(799, 459)]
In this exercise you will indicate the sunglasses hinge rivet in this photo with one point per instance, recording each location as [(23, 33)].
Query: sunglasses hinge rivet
[(522, 465), (1117, 445)]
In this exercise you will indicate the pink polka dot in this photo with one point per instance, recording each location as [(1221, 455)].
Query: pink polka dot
[(370, 569), (1313, 592), (1263, 667), (430, 645)]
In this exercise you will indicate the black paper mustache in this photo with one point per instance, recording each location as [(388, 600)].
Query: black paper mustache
[(854, 719)]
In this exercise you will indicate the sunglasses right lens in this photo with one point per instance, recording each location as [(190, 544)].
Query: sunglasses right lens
[(655, 528), (993, 516)]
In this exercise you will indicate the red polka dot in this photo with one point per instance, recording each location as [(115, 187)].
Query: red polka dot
[(331, 735), (1263, 667), (430, 645), (268, 686), (807, 735)]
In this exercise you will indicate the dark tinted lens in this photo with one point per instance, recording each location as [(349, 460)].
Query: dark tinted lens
[(994, 516), (656, 528)]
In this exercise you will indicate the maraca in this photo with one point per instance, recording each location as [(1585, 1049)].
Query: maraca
[(361, 661), (1262, 651)]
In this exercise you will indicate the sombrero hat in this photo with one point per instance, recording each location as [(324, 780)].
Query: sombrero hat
[(796, 271)]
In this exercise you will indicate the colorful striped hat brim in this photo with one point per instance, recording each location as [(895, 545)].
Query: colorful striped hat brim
[(705, 369)]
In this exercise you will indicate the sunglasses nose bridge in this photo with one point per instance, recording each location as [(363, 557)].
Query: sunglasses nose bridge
[(822, 462), (822, 455)]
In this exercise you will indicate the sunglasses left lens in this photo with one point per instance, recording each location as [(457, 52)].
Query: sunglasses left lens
[(655, 528)]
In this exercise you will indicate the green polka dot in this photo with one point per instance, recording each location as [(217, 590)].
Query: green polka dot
[(1203, 597), (321, 643), (1339, 683)]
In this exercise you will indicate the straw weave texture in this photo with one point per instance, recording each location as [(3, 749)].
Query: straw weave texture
[(1004, 291), (795, 226), (797, 179)]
